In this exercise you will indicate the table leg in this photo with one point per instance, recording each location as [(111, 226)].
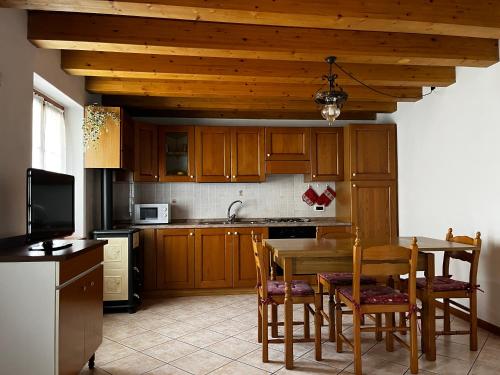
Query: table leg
[(430, 310), (287, 271)]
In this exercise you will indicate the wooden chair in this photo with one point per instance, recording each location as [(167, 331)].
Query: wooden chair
[(446, 288), (272, 292), (328, 282), (387, 260)]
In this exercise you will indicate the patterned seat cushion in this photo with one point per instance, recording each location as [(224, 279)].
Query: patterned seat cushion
[(443, 284), (299, 288), (344, 278), (376, 295)]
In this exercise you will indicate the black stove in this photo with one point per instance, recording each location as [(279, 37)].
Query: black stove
[(288, 220)]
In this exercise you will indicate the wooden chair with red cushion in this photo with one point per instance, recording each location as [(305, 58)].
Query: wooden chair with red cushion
[(272, 292), (387, 260)]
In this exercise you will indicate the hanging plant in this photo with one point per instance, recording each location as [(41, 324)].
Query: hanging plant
[(94, 123)]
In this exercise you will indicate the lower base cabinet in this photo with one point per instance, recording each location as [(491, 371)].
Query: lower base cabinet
[(210, 258)]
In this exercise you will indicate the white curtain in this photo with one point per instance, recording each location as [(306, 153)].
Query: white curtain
[(49, 136)]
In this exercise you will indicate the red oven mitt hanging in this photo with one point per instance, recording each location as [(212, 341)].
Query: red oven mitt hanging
[(327, 197), (310, 196)]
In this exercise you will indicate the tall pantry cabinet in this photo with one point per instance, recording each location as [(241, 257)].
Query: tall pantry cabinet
[(368, 195)]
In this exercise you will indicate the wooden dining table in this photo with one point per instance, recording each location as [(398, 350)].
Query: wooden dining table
[(311, 256)]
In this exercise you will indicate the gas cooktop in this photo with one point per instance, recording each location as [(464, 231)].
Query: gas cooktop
[(287, 220)]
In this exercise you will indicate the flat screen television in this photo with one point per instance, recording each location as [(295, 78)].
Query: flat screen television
[(50, 209)]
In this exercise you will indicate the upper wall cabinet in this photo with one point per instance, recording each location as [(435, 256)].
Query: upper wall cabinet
[(115, 146), (146, 152), (229, 154), (327, 154), (287, 143), (372, 152), (247, 154), (176, 153), (213, 154)]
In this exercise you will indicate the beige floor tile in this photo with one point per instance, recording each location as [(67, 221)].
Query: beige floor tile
[(204, 320), (94, 371), (276, 360), (485, 368), (200, 362), (330, 357), (122, 331), (249, 335), (238, 368), (490, 356), (400, 355), (299, 348), (171, 350), (153, 321), (454, 350), (111, 351), (132, 365), (202, 338), (306, 367), (231, 327), (145, 340), (379, 367), (167, 370), (232, 347), (175, 330), (445, 365)]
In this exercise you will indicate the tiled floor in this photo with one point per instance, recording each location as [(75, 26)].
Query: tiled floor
[(218, 335)]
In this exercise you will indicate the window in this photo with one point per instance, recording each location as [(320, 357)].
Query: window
[(49, 135)]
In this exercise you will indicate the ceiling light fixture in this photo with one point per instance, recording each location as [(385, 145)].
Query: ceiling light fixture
[(332, 100)]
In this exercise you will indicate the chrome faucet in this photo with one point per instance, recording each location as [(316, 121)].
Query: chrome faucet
[(232, 218)]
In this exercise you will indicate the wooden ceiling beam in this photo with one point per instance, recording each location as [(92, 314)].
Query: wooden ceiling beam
[(158, 36), (475, 18), (124, 86), (134, 65), (245, 114), (166, 103)]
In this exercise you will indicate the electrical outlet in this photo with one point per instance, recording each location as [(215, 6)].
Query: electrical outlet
[(240, 193), (319, 208), (174, 201)]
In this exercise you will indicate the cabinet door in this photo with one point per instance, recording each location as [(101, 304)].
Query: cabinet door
[(245, 275), (146, 152), (374, 208), (372, 152), (176, 153), (148, 242), (247, 154), (288, 143), (327, 154), (93, 293), (71, 328), (175, 258), (213, 154), (213, 258)]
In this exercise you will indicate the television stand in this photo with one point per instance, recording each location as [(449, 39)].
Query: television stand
[(51, 245)]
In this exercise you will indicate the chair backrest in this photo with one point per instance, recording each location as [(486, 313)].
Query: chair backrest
[(261, 256), (385, 260), (465, 256)]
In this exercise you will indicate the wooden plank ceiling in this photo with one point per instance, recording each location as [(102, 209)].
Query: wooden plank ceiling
[(263, 58)]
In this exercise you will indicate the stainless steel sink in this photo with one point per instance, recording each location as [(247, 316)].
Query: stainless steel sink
[(226, 222)]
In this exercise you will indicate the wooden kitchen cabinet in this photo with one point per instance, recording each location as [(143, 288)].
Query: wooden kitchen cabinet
[(247, 154), (287, 143), (213, 154), (146, 152), (175, 258), (176, 153), (93, 289), (213, 258), (149, 253), (244, 273), (115, 146), (327, 154), (369, 205), (371, 152)]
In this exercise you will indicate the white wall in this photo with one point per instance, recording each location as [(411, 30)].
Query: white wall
[(449, 155), (19, 59)]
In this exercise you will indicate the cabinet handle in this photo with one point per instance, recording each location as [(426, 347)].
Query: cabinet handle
[(314, 176), (234, 176), (235, 233), (354, 175), (228, 233), (268, 155), (191, 233), (156, 176), (85, 288), (353, 185), (191, 176), (92, 283), (227, 176)]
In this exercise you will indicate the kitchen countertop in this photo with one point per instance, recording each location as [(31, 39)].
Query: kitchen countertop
[(241, 223)]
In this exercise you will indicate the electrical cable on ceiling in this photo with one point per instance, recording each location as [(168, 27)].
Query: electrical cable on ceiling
[(375, 90)]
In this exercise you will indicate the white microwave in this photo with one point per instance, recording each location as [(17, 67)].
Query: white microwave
[(153, 213)]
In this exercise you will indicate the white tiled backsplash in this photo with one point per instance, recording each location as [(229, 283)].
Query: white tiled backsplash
[(278, 196)]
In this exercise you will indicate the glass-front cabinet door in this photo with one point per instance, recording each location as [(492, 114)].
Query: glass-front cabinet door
[(176, 151)]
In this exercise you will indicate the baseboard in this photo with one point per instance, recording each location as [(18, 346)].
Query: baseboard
[(465, 316), (196, 292)]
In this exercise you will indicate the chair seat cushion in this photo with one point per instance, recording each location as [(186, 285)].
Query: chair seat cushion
[(343, 278), (443, 284), (376, 295), (299, 288)]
